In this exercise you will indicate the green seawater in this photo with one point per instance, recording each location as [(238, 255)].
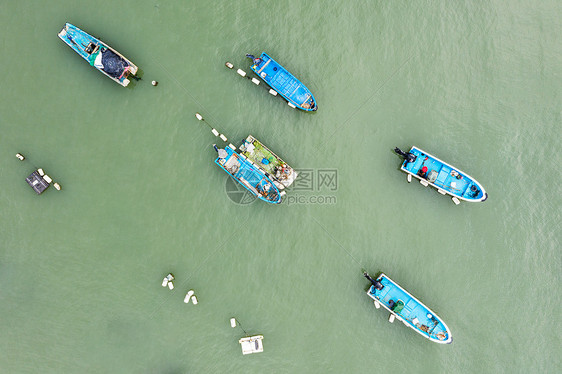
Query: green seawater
[(477, 84)]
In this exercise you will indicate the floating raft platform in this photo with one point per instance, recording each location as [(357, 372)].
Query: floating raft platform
[(251, 344), (38, 181)]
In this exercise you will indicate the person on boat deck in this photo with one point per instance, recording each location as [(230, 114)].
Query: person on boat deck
[(423, 172)]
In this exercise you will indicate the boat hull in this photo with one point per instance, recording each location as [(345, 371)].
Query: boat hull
[(448, 179), (278, 78), (249, 176), (413, 314), (93, 50)]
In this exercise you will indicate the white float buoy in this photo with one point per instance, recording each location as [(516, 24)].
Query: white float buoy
[(154, 83), (224, 138), (273, 92), (241, 72), (199, 116), (255, 81), (165, 282), (47, 178), (455, 200), (194, 300), (215, 132), (377, 304), (229, 65), (291, 104), (232, 146), (391, 318), (409, 178), (171, 285), (57, 186), (233, 322), (41, 172), (20, 156), (188, 296)]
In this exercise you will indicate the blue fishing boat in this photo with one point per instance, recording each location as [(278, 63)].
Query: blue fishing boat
[(447, 179), (283, 82), (407, 309), (248, 175), (98, 54)]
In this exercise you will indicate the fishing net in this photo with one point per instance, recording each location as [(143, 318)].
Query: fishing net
[(113, 64)]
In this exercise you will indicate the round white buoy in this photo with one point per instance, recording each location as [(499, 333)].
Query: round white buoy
[(188, 296), (229, 65), (199, 116), (20, 156), (194, 300), (154, 83), (171, 285), (165, 282), (233, 322), (57, 186)]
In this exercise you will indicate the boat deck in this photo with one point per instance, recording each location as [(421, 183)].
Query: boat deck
[(249, 176), (414, 313), (284, 82), (444, 176), (268, 161)]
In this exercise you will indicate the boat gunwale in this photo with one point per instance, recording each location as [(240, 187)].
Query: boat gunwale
[(484, 193), (408, 323), (280, 93), (133, 71)]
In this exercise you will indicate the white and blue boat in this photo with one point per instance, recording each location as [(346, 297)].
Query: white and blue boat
[(98, 54), (447, 179), (248, 175), (407, 309), (278, 78)]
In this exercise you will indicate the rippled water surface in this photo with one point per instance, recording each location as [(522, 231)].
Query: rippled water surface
[(475, 83)]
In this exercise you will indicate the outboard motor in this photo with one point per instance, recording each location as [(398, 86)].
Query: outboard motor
[(378, 285), (407, 155)]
